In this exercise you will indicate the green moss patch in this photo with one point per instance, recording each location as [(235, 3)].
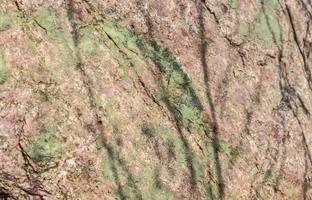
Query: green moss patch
[(46, 148), (115, 171), (172, 141), (152, 186), (87, 42), (122, 44), (109, 11), (45, 18), (233, 3), (178, 94), (4, 72), (266, 25), (182, 157), (244, 29), (8, 19)]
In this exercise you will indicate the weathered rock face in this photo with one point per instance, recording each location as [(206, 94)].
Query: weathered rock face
[(155, 99)]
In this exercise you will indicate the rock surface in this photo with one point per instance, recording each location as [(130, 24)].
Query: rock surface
[(155, 99)]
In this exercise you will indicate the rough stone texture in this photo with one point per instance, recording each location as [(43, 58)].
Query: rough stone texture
[(155, 99)]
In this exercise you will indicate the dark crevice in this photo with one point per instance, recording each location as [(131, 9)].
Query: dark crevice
[(4, 195), (148, 93), (289, 94), (248, 121), (114, 42), (306, 182), (36, 188), (306, 67), (305, 7), (210, 11), (307, 45)]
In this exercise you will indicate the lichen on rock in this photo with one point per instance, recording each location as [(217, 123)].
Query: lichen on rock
[(47, 148), (4, 72), (267, 27)]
